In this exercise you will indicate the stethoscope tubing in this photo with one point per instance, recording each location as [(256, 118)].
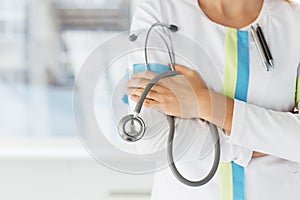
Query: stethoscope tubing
[(147, 89), (171, 161), (137, 135)]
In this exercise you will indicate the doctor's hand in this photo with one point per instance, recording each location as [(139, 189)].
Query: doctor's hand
[(184, 95)]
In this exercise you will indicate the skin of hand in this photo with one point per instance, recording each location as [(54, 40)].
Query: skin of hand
[(176, 96), (184, 96)]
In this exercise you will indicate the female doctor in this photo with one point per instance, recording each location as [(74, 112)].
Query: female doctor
[(261, 127)]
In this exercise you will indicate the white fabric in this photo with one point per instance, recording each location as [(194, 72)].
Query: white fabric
[(262, 124)]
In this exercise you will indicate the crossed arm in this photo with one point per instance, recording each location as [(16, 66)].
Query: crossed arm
[(185, 96)]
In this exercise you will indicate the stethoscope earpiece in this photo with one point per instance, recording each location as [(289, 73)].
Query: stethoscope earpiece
[(173, 28), (132, 37), (131, 128)]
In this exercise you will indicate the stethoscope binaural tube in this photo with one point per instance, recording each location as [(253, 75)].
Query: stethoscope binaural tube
[(134, 134)]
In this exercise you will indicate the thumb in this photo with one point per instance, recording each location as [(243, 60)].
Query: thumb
[(181, 69)]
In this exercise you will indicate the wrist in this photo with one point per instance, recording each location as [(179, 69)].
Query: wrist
[(205, 105), (216, 108)]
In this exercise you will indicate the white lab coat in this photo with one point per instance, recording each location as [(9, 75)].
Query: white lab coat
[(262, 124)]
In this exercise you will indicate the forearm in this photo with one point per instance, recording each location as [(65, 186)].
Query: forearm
[(217, 109), (272, 132), (222, 119)]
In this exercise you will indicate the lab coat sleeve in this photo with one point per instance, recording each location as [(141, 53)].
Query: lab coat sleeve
[(193, 134), (267, 131)]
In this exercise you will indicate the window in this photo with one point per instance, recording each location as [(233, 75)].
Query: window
[(41, 48)]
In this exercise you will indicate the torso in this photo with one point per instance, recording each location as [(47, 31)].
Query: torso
[(272, 90)]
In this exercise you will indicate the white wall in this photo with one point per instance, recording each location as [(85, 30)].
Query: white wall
[(51, 179), (61, 169)]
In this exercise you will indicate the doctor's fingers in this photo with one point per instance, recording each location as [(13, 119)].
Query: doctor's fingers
[(142, 83), (148, 102), (139, 91), (150, 75), (162, 97), (145, 75), (137, 83)]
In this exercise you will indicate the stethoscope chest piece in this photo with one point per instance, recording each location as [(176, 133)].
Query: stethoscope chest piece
[(131, 128)]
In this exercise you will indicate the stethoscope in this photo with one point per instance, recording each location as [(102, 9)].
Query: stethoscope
[(137, 126)]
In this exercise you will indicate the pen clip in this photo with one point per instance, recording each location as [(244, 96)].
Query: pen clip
[(259, 48), (265, 47)]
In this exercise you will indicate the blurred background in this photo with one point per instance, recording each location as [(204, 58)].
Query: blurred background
[(43, 43)]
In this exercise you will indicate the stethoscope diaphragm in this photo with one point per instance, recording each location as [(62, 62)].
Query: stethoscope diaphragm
[(131, 128)]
